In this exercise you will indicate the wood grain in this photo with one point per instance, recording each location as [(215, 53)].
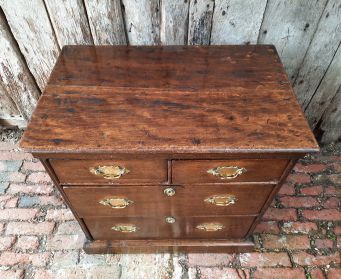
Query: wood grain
[(326, 91), (319, 55), (237, 22), (200, 22), (106, 22), (8, 109), (35, 37), (174, 22), (290, 26), (142, 21), (69, 22), (16, 81)]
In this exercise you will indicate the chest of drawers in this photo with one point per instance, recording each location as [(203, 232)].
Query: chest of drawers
[(168, 148)]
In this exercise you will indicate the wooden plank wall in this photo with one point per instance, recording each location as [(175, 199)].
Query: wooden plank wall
[(306, 33)]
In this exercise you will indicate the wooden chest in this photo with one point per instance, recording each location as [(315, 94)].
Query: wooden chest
[(168, 148)]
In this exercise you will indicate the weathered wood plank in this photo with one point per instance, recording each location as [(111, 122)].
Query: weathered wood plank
[(325, 92), (174, 22), (321, 51), (237, 22), (32, 30), (142, 19), (8, 109), (15, 78), (69, 22), (200, 22), (331, 124), (290, 25), (106, 22)]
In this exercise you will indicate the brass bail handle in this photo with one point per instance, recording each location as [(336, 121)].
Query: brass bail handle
[(109, 172), (125, 228), (227, 172), (116, 202), (210, 227), (221, 200)]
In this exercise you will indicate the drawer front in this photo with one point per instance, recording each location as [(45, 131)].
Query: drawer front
[(129, 171), (162, 201), (225, 171), (158, 228)]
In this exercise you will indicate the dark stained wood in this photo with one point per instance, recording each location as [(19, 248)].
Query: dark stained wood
[(156, 227), (147, 171), (169, 246), (152, 201), (195, 171)]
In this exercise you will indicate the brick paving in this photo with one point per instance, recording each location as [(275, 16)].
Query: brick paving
[(299, 236)]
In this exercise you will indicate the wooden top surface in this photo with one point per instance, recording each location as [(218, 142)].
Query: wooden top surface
[(185, 99)]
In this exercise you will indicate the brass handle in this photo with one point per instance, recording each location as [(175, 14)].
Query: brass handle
[(125, 228), (227, 172), (170, 220), (109, 172), (116, 202), (210, 227), (221, 200), (169, 192)]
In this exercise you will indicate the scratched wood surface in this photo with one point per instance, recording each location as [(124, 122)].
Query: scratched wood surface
[(161, 97), (306, 34)]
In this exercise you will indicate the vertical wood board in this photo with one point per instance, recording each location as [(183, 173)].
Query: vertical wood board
[(290, 26), (32, 30), (325, 92), (69, 22), (200, 22), (174, 22), (15, 78), (237, 22), (142, 20), (320, 53), (106, 22)]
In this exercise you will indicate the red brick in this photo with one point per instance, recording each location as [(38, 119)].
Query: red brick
[(11, 259), (44, 274), (15, 177), (70, 227), (14, 156), (8, 201), (336, 167), (303, 258), (298, 227), (314, 168), (12, 274), (332, 203), (267, 227), (331, 190), (324, 214), (2, 225), (286, 241), (209, 259), (27, 243), (299, 202), (317, 273), (27, 228), (6, 242), (311, 190), (4, 145), (39, 177), (32, 166), (59, 215), (299, 178), (287, 189), (65, 242), (280, 214), (338, 242), (264, 259), (323, 243), (30, 189), (337, 230), (281, 273), (334, 273), (18, 214), (230, 273)]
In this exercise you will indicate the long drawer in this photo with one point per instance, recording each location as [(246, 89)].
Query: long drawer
[(164, 227), (128, 171), (161, 201), (224, 171)]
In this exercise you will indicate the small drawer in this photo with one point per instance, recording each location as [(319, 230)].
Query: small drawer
[(225, 171), (106, 201), (169, 227), (130, 171)]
